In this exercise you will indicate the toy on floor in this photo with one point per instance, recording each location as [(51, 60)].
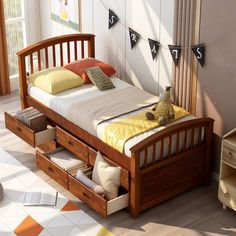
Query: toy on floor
[(163, 112)]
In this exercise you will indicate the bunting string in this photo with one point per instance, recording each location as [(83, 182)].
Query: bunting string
[(175, 50)]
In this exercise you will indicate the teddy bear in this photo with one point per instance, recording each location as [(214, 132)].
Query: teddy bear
[(163, 111)]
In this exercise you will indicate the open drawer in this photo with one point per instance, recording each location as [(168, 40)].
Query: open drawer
[(98, 203), (28, 135), (124, 174), (51, 169)]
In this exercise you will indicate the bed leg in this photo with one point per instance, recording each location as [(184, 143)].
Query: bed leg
[(24, 105), (209, 149), (134, 203), (134, 186), (134, 213)]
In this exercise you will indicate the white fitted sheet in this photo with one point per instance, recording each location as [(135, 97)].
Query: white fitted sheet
[(63, 102)]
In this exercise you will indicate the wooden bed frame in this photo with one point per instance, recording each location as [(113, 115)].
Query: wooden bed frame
[(148, 185)]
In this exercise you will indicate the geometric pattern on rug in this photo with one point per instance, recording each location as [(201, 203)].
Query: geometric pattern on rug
[(64, 219)]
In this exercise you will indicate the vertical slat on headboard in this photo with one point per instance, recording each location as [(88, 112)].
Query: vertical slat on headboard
[(91, 51), (54, 55), (31, 64), (46, 57), (68, 52), (61, 54), (82, 48), (75, 50), (39, 60)]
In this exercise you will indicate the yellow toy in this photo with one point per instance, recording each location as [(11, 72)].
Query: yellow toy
[(163, 112)]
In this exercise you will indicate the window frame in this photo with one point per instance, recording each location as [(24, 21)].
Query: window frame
[(25, 28)]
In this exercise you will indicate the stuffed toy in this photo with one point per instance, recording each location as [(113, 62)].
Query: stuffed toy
[(163, 111), (90, 184)]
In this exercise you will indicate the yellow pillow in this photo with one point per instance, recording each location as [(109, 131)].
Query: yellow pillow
[(55, 80)]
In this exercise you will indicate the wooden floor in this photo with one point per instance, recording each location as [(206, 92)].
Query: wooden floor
[(197, 212)]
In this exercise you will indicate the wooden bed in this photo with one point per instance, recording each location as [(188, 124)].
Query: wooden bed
[(148, 185)]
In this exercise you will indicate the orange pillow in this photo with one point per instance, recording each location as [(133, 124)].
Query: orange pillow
[(79, 67)]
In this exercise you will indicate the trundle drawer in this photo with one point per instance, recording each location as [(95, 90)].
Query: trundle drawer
[(51, 169), (124, 174), (96, 202), (28, 135), (72, 144), (229, 154)]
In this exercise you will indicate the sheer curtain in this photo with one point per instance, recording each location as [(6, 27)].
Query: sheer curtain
[(4, 70)]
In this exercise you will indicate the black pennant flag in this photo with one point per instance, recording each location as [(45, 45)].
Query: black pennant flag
[(154, 47), (175, 53), (134, 37), (113, 18), (199, 52)]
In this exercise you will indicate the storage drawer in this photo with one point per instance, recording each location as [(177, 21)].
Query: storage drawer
[(50, 168), (72, 144), (28, 135), (229, 154), (99, 204), (124, 175)]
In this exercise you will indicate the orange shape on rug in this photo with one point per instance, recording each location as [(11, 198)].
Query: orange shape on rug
[(28, 227), (70, 206)]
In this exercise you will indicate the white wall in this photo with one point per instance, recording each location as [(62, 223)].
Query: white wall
[(32, 15), (51, 28), (151, 18)]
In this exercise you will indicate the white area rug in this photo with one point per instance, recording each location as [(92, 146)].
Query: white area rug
[(16, 219)]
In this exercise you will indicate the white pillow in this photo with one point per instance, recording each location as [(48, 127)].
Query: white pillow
[(107, 176)]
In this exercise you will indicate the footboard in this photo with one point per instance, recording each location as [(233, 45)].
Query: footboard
[(170, 162)]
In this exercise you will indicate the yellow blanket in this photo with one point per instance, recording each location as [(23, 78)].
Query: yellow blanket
[(118, 133)]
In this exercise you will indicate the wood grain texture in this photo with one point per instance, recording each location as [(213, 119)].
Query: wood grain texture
[(96, 202), (20, 129), (52, 169), (134, 164), (196, 212), (72, 144)]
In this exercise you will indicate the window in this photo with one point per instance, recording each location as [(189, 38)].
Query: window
[(15, 32)]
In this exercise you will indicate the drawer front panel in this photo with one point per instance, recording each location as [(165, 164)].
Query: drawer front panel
[(229, 155), (86, 195), (20, 129), (71, 143), (124, 175), (52, 170)]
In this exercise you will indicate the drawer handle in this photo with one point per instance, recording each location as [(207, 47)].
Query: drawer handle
[(70, 143), (19, 129), (50, 169), (86, 195), (230, 155)]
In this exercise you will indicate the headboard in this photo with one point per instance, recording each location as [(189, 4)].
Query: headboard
[(55, 51)]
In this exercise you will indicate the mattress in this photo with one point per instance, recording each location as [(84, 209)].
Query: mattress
[(64, 103)]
